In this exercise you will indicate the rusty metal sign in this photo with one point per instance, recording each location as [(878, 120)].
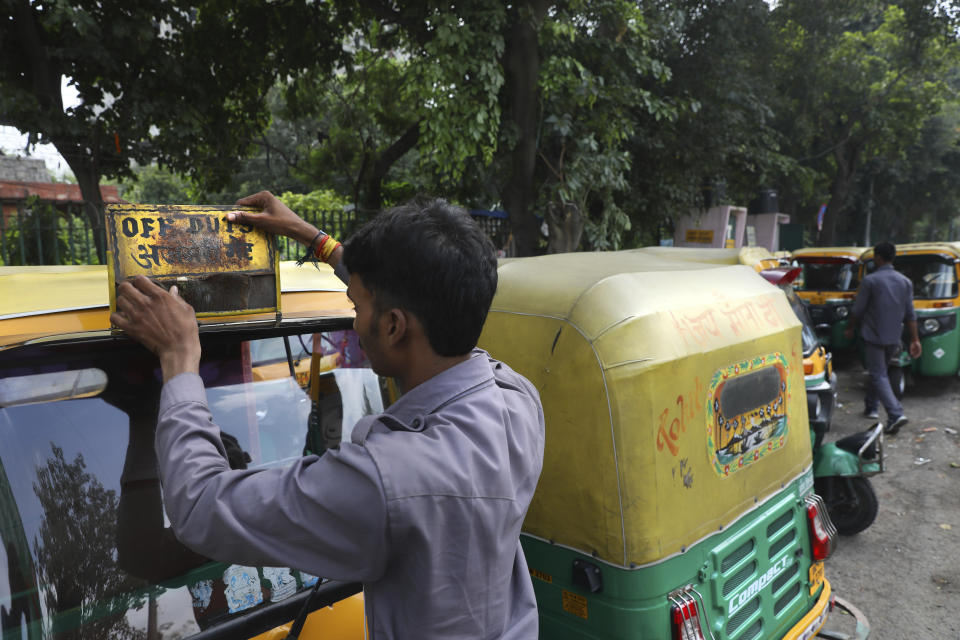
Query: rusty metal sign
[(219, 267)]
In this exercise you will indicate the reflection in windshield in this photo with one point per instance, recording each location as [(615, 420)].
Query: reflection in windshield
[(933, 276), (85, 542)]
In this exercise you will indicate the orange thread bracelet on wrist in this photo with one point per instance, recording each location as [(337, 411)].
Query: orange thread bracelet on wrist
[(327, 247)]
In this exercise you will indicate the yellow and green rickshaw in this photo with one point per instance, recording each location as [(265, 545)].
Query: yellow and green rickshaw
[(933, 268), (828, 284), (676, 499)]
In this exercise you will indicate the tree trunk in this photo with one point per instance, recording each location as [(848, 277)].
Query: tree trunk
[(371, 197), (521, 63), (846, 158), (88, 178)]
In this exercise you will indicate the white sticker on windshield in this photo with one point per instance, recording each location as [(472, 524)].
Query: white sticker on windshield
[(282, 583), (201, 593), (242, 588)]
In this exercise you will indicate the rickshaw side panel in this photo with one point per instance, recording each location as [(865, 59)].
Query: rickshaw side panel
[(941, 351), (560, 363)]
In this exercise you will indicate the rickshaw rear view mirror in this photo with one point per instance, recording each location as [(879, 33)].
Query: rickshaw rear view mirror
[(781, 276)]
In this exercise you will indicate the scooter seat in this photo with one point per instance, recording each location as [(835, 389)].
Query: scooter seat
[(857, 440)]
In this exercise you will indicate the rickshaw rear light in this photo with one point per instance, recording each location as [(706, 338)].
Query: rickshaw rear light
[(823, 534), (807, 367), (686, 619)]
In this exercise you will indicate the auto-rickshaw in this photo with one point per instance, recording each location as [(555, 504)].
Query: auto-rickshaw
[(828, 284), (85, 547), (933, 269), (676, 499)]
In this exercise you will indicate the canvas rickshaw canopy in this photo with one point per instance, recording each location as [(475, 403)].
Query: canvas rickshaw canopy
[(630, 350)]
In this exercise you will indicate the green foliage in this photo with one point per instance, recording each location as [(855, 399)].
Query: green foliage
[(181, 83), (615, 114), (325, 209), (315, 202), (598, 72), (456, 77), (75, 547), (153, 185), (859, 81)]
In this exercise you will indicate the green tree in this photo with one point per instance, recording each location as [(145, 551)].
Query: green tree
[(858, 82), (75, 551), (722, 146), (178, 82), (597, 75)]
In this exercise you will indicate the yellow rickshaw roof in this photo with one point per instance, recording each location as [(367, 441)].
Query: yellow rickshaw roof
[(37, 290), (846, 252), (944, 248), (558, 285), (40, 301)]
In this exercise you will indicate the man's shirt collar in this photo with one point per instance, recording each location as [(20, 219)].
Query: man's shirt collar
[(413, 407)]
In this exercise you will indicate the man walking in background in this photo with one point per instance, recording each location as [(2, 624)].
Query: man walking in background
[(884, 303)]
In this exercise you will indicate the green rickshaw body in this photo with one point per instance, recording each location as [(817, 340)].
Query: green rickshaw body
[(678, 461), (933, 267)]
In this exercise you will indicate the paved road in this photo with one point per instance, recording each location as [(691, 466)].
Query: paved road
[(904, 571)]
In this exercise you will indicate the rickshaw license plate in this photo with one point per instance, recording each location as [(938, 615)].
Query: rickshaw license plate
[(816, 576)]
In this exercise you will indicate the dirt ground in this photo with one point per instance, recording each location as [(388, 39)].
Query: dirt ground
[(903, 572)]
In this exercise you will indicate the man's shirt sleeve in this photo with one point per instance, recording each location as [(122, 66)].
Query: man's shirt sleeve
[(863, 298), (325, 515)]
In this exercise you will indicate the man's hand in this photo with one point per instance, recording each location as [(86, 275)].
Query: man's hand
[(278, 219), (162, 321), (915, 349), (274, 217)]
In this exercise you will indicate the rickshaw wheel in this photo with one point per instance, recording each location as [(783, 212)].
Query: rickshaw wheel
[(851, 502)]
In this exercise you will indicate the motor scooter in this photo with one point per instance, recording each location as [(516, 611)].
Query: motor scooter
[(841, 476)]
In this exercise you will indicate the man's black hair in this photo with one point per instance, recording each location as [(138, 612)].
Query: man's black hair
[(430, 258), (886, 250)]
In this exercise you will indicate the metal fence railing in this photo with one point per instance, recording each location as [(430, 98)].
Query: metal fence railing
[(339, 224), (48, 233)]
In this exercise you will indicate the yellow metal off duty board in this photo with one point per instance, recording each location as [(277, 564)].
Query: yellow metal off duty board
[(219, 267)]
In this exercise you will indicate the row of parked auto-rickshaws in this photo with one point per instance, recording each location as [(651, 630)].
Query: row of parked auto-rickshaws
[(828, 282)]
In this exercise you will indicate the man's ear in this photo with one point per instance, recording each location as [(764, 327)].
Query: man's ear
[(394, 325)]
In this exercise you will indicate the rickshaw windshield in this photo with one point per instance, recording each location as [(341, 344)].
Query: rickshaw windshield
[(933, 276), (85, 529), (823, 274)]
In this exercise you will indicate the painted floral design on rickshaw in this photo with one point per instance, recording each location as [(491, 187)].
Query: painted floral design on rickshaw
[(746, 412)]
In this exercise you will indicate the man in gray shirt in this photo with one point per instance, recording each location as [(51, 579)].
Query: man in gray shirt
[(424, 505), (884, 303)]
